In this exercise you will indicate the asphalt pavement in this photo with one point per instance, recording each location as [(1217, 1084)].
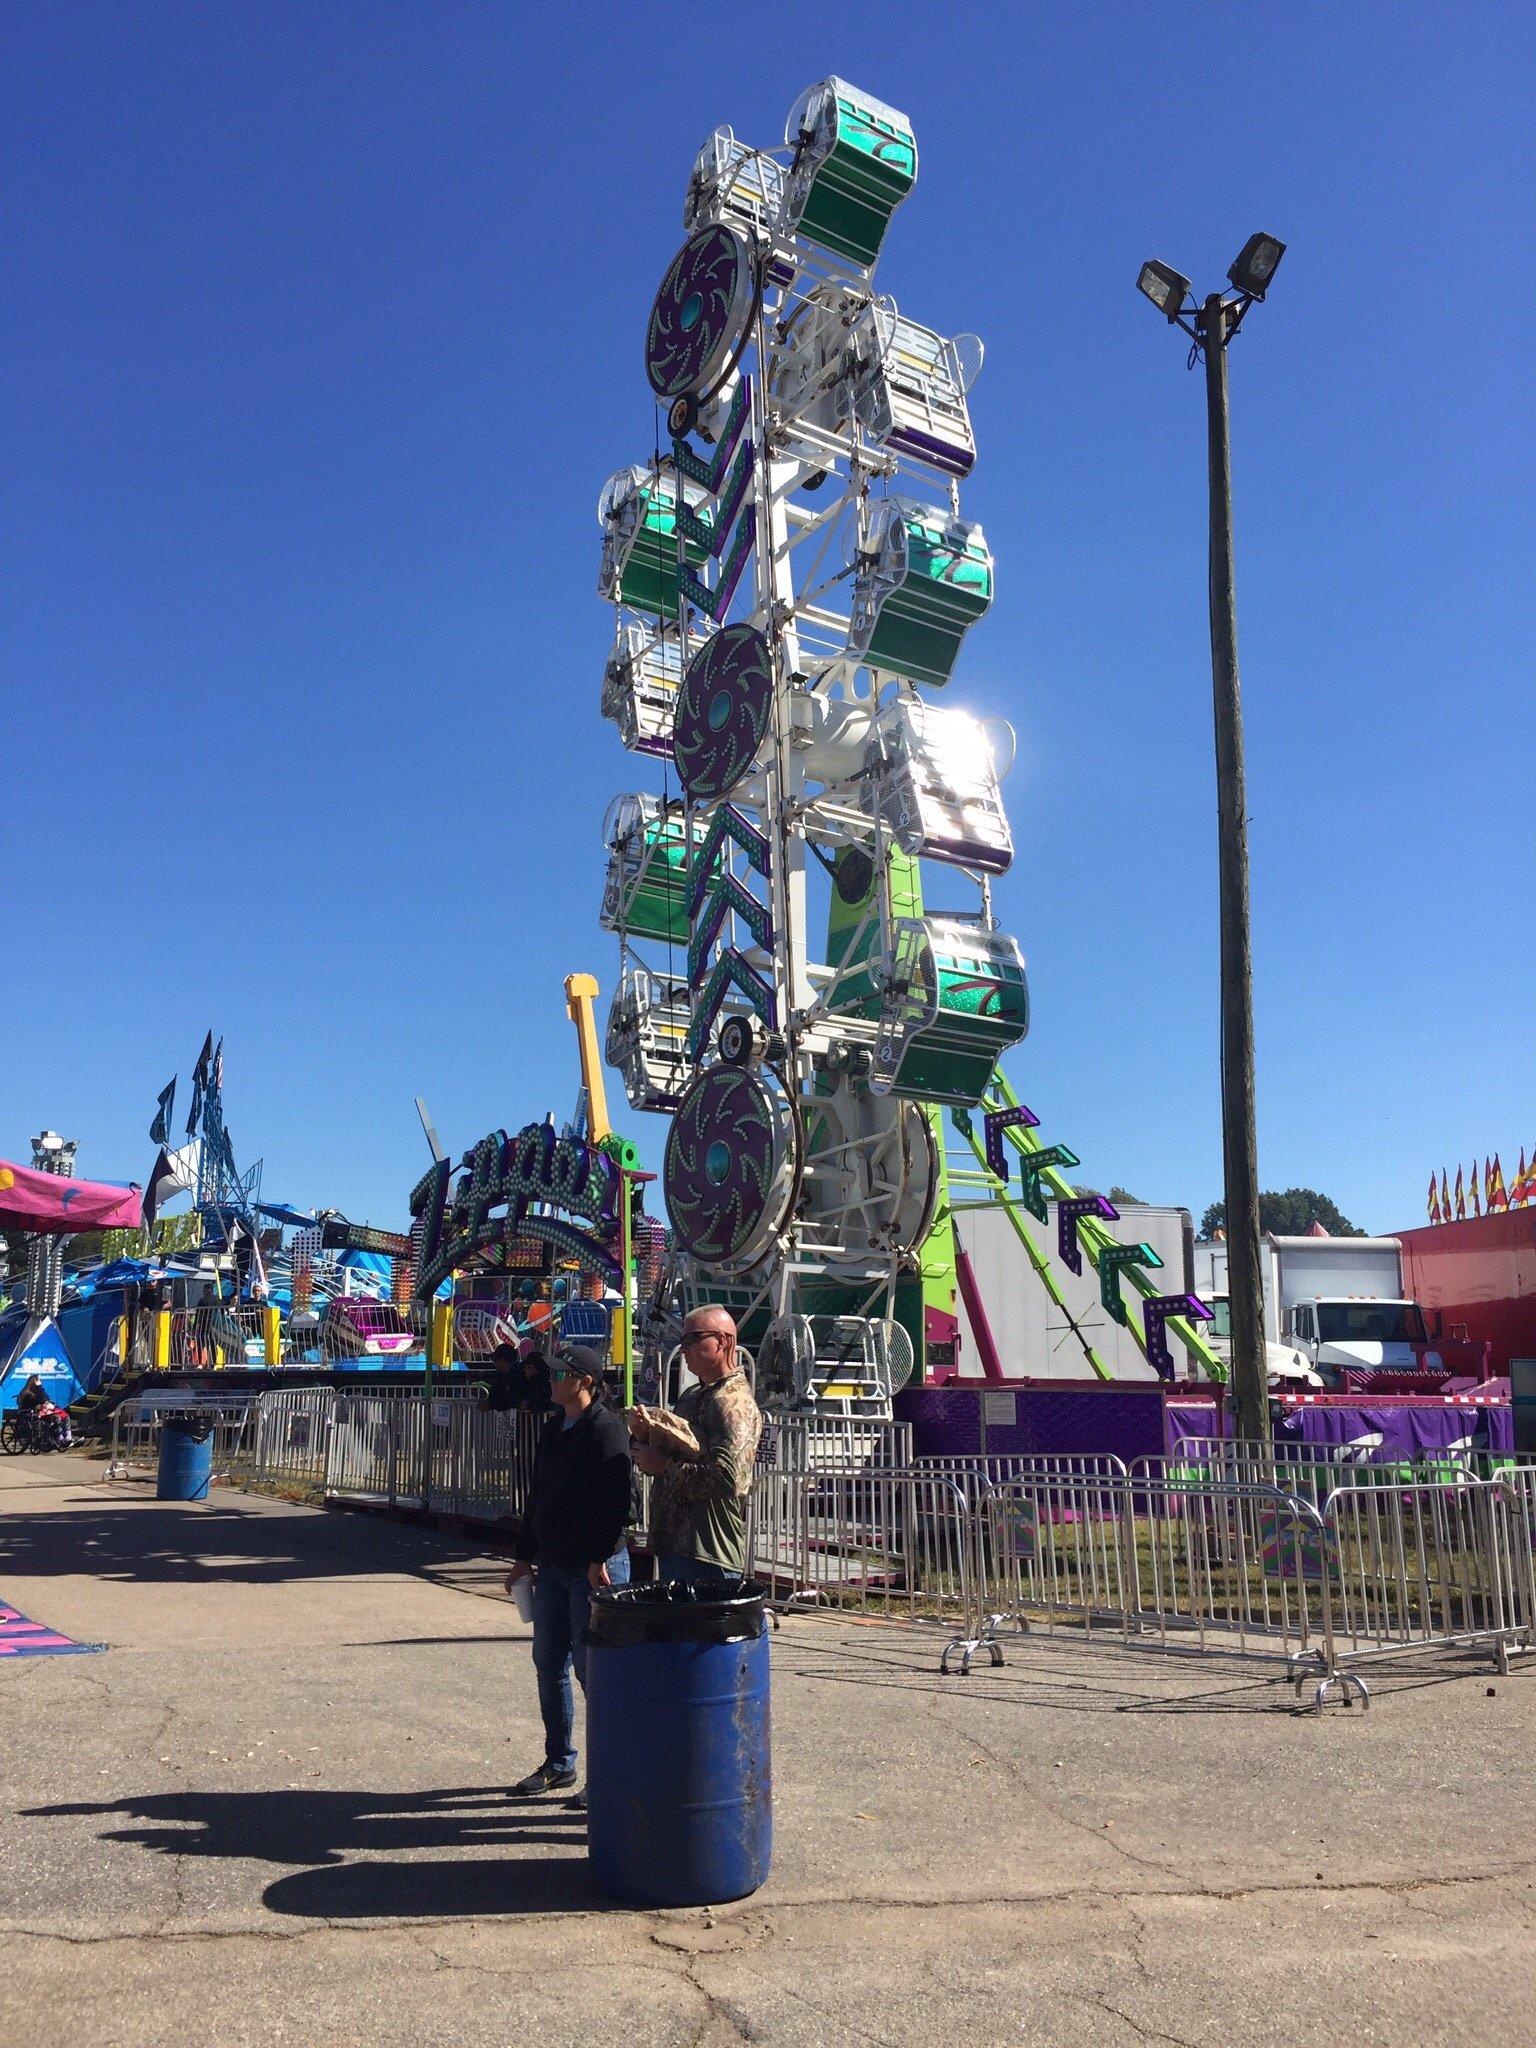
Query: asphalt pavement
[(274, 1810)]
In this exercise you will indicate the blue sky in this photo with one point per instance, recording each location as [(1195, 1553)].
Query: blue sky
[(324, 326)]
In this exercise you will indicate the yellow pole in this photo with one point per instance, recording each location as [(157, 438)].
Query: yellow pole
[(272, 1334), (627, 1283), (580, 996), (162, 1340), (440, 1346)]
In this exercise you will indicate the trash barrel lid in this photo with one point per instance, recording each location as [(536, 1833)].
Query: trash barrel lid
[(677, 1611)]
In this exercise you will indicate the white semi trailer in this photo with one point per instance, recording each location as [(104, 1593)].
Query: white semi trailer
[(1033, 1337)]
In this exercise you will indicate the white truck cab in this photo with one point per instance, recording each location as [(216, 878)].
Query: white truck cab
[(1330, 1303), (1286, 1366), (1366, 1332)]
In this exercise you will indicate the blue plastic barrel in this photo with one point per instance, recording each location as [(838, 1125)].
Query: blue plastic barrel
[(186, 1458), (679, 1787)]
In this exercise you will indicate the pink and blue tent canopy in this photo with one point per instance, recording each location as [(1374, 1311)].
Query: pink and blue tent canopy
[(48, 1205)]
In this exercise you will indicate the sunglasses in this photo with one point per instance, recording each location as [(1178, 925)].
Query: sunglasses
[(701, 1336), (568, 1372)]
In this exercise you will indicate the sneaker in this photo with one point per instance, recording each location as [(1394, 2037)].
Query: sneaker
[(578, 1801), (547, 1778)]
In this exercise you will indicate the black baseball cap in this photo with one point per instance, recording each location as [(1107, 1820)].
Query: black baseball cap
[(581, 1358)]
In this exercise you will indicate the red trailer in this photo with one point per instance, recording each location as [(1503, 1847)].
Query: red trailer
[(1481, 1275)]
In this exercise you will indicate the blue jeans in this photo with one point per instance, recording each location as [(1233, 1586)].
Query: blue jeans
[(691, 1571), (561, 1607)]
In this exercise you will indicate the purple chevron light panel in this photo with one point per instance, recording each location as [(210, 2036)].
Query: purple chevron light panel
[(1155, 1313), (994, 1123), (1069, 1215)]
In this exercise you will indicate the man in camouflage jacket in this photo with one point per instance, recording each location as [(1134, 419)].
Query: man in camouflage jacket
[(699, 1501)]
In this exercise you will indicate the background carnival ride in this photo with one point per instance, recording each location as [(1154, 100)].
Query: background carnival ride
[(792, 572), (542, 1199), (233, 1282)]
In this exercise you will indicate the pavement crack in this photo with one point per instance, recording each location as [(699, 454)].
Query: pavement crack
[(1100, 2003), (1092, 1829), (1385, 1887), (718, 2012)]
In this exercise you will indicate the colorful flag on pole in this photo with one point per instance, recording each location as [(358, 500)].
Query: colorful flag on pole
[(1517, 1186), (1477, 1200), (1445, 1197), (200, 1084), (1461, 1197), (1497, 1197), (1434, 1200), (160, 1129), (164, 1181)]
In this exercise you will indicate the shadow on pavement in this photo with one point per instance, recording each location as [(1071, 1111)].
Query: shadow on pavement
[(1038, 1675), (468, 1889), (320, 1832), (139, 1540)]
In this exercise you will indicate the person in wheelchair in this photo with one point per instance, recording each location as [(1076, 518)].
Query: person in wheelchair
[(41, 1422)]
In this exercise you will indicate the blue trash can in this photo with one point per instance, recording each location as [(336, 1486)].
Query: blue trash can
[(679, 1788), (186, 1458)]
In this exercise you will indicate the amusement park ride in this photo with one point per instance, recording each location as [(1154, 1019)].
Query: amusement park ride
[(792, 573)]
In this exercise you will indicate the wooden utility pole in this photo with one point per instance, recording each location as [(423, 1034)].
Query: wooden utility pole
[(1245, 1284)]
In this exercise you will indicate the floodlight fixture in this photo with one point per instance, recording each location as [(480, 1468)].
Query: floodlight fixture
[(1255, 268), (1165, 288)]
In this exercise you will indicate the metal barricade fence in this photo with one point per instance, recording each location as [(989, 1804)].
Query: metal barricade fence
[(1183, 1564), (846, 1442), (897, 1541), (1321, 1581), (449, 1456), (481, 1461), (1230, 1567), (288, 1441), (1436, 1565), (137, 1426), (377, 1449), (976, 1475), (1053, 1544), (1314, 1470)]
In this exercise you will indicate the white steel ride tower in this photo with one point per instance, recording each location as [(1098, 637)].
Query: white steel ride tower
[(793, 574)]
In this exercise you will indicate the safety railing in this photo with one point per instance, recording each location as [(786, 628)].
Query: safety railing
[(1319, 1580), (288, 1441), (896, 1541), (1430, 1566), (1315, 1470), (205, 1339), (849, 1442), (1187, 1562), (137, 1425), (356, 1331)]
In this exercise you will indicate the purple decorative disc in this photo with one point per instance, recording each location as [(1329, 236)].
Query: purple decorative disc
[(702, 313), (731, 1167), (722, 712)]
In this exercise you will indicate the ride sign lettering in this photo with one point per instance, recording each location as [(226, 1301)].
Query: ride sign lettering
[(518, 1186)]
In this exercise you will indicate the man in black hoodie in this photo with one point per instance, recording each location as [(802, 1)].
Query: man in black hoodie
[(572, 1540)]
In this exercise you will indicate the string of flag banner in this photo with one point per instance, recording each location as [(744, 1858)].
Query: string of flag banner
[(1469, 1199)]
